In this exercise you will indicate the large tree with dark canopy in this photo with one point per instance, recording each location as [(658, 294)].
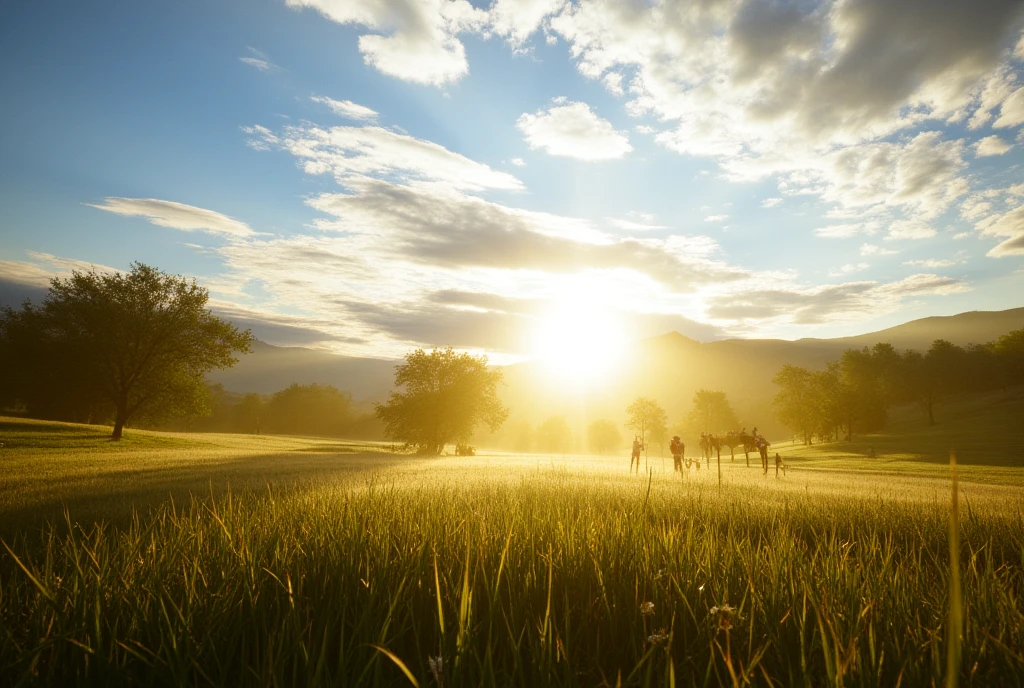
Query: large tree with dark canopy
[(125, 344), (447, 394)]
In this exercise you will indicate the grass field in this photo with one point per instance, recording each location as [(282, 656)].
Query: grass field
[(230, 560)]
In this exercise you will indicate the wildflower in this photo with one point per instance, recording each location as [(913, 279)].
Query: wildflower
[(724, 617), (436, 667), (659, 637), (647, 609)]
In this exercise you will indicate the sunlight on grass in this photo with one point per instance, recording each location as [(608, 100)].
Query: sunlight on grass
[(342, 567)]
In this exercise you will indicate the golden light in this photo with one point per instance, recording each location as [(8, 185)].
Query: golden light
[(580, 340)]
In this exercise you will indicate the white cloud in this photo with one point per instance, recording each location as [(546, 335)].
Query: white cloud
[(635, 222), (848, 269), (42, 267), (991, 145), (259, 60), (771, 202), (827, 303), (875, 250), (613, 82), (931, 263), (414, 40), (187, 218), (1011, 113), (975, 207), (347, 109), (518, 162), (842, 231), (348, 152), (518, 19), (716, 218), (571, 129), (1009, 224), (259, 64), (910, 229)]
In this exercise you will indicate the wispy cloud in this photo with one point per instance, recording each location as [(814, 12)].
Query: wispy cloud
[(349, 152), (187, 218), (347, 109), (259, 60)]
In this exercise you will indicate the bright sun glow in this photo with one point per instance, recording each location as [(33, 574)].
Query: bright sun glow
[(579, 340)]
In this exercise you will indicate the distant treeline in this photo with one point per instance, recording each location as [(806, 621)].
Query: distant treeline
[(854, 394), (321, 410)]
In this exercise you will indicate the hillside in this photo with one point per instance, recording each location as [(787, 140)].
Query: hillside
[(983, 429), (974, 327)]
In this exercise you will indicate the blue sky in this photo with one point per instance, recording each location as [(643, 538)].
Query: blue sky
[(374, 175)]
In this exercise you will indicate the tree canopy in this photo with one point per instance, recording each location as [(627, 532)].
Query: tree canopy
[(447, 394), (133, 344), (711, 412), (855, 393), (554, 435), (309, 410), (603, 436), (646, 418)]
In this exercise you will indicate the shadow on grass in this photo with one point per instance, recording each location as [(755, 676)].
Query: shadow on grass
[(18, 434), (112, 496)]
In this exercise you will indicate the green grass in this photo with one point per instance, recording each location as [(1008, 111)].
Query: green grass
[(985, 430), (295, 558)]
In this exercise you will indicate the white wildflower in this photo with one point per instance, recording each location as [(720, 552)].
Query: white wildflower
[(647, 609), (659, 637), (436, 667)]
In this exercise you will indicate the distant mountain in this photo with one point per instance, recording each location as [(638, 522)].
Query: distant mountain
[(271, 368), (974, 327), (668, 368)]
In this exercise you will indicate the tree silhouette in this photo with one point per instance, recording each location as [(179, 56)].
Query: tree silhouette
[(447, 394), (138, 342), (645, 417)]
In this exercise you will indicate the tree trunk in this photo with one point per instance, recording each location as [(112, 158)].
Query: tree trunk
[(119, 422)]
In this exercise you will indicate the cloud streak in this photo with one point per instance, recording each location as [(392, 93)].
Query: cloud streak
[(187, 218)]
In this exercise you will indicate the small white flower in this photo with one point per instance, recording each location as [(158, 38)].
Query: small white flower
[(436, 667), (658, 637), (647, 609), (724, 617)]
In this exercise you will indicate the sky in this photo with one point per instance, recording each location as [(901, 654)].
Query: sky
[(372, 176)]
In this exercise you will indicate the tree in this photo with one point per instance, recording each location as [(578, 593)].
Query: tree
[(798, 402), (602, 436), (554, 435), (936, 374), (248, 414), (138, 343), (447, 394), (309, 410), (711, 412), (645, 417), (520, 435), (1009, 355)]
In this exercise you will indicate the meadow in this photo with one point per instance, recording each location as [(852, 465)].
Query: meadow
[(175, 559)]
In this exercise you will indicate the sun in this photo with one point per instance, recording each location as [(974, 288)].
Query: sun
[(579, 340)]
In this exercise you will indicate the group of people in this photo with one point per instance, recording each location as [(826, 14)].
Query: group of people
[(709, 442)]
